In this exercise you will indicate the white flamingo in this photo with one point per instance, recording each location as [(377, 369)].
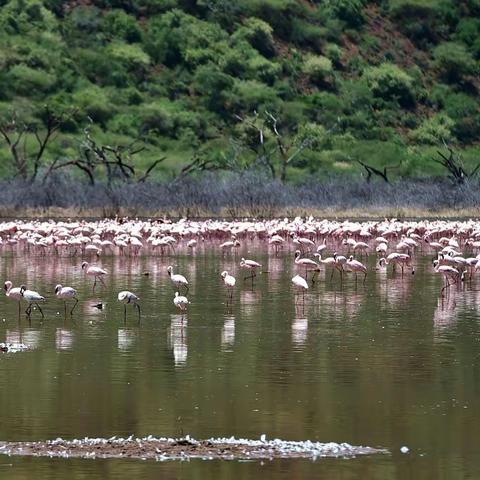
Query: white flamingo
[(177, 280), (13, 293), (251, 265), (66, 293), (126, 298), (32, 298), (300, 284), (181, 302), (229, 281), (95, 272)]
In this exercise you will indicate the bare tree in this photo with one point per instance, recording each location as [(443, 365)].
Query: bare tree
[(116, 161), (383, 174), (454, 165), (18, 135)]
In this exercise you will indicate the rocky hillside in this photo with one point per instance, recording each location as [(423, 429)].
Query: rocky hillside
[(301, 88)]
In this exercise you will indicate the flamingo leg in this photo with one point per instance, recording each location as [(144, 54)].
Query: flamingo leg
[(94, 284), (365, 278), (39, 308), (73, 308), (125, 312)]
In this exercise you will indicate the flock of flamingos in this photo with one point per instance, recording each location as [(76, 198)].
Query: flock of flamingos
[(394, 242)]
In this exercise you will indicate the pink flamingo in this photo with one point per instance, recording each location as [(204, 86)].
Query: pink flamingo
[(356, 267), (252, 266), (95, 272)]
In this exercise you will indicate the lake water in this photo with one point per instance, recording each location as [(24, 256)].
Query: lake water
[(385, 364)]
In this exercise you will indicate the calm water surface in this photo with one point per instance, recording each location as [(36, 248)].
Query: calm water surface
[(386, 364)]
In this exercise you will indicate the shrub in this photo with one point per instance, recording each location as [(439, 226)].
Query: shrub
[(120, 25), (250, 95), (453, 61), (94, 102), (434, 130), (334, 53), (318, 68), (349, 11), (390, 82), (258, 34), (28, 81), (425, 21)]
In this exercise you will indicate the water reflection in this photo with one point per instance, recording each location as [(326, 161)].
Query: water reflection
[(299, 331), (63, 339), (125, 338), (345, 350), (228, 332), (177, 339)]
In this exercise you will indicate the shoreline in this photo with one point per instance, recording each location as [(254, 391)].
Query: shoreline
[(332, 213)]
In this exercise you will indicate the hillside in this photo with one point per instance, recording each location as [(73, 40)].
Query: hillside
[(304, 89)]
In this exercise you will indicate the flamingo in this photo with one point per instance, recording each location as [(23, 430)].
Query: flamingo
[(300, 284), (66, 293), (229, 282), (13, 293), (308, 264), (32, 298), (127, 297), (356, 266), (230, 245), (177, 280), (449, 273), (181, 302), (250, 265), (95, 272), (394, 258)]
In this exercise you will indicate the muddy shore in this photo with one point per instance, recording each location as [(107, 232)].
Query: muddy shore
[(161, 449)]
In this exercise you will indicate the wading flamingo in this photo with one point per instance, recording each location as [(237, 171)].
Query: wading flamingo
[(66, 293), (307, 264), (301, 285), (32, 298), (177, 280), (13, 293), (355, 266), (181, 302), (95, 272), (126, 298), (229, 282), (251, 265)]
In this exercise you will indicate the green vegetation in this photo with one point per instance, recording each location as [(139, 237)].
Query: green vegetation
[(300, 89)]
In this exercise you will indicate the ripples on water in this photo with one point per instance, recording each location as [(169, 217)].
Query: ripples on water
[(388, 363)]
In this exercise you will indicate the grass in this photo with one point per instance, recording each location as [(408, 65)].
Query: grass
[(237, 196)]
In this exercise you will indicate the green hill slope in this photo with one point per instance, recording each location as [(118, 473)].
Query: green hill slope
[(306, 88)]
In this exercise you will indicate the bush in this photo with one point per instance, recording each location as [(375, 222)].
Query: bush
[(434, 130), (453, 61), (94, 102), (28, 81), (425, 21), (318, 68), (349, 11), (120, 25), (258, 34), (390, 82)]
